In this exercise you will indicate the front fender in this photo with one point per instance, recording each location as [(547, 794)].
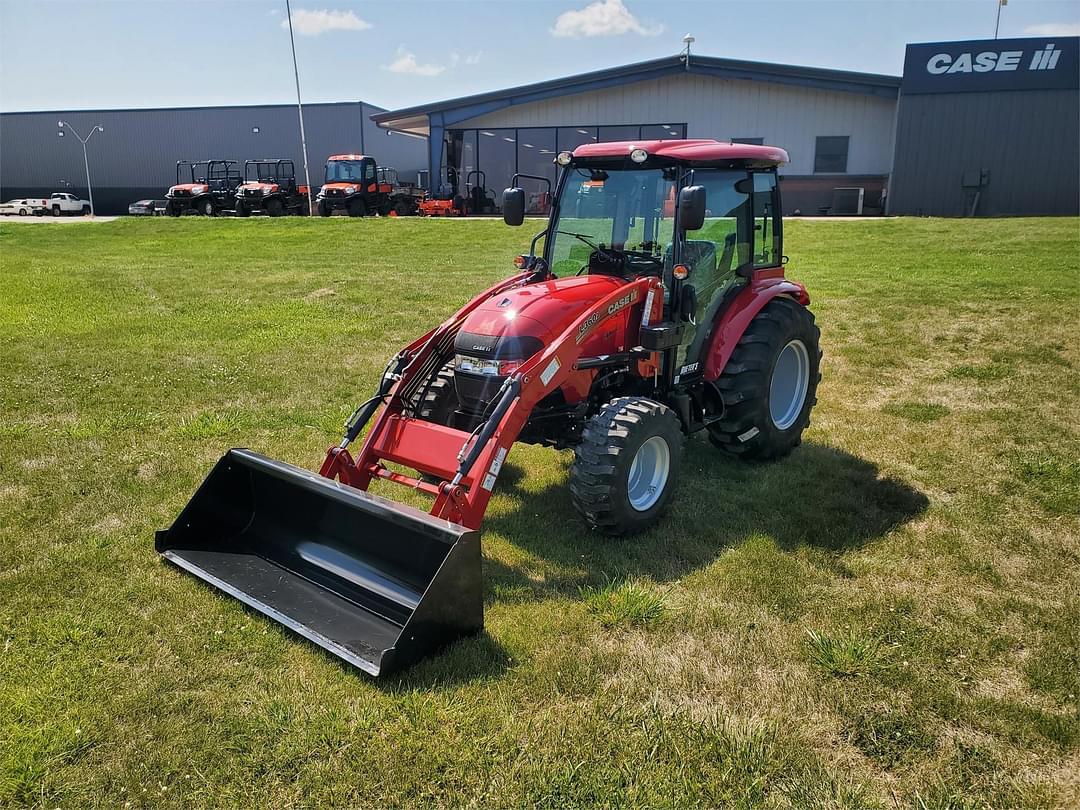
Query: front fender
[(764, 286)]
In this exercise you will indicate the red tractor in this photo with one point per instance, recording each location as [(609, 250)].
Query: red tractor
[(270, 186), (656, 309)]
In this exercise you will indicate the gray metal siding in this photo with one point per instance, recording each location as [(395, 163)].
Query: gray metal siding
[(1029, 141), (139, 148), (790, 117)]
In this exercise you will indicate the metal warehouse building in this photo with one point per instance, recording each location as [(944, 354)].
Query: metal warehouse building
[(836, 125), (135, 157), (986, 127), (990, 127)]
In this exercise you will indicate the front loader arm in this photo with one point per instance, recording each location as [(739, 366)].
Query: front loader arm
[(482, 458)]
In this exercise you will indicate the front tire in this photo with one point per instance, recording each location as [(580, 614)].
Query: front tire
[(173, 209), (769, 385), (274, 207), (626, 466), (241, 209), (86, 210), (324, 208), (56, 211), (357, 208)]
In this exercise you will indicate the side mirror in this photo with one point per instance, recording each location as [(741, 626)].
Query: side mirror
[(691, 208), (513, 206)]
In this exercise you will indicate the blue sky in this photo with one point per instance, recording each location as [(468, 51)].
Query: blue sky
[(56, 54)]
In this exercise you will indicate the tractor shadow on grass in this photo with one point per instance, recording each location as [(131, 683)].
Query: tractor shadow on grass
[(818, 497)]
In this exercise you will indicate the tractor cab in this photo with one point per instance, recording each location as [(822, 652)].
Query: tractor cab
[(700, 215)]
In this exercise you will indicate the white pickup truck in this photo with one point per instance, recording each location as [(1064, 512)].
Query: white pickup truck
[(61, 202)]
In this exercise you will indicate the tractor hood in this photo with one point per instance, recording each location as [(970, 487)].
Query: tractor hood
[(515, 324)]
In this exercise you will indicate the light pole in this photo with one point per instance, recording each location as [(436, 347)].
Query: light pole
[(300, 110), (86, 161)]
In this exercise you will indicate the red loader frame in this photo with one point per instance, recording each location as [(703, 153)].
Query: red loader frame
[(464, 491)]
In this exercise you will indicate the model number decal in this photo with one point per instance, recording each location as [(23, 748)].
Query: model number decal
[(590, 323)]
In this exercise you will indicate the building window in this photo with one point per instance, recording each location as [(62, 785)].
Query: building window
[(625, 133), (663, 132), (570, 138), (752, 141), (830, 154), (536, 155)]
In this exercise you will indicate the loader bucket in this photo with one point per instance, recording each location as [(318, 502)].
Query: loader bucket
[(377, 583)]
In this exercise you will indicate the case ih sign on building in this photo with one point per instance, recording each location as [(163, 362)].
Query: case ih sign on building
[(980, 124), (1000, 64)]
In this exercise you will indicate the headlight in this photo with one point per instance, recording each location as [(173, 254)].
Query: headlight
[(350, 189), (564, 158), (488, 368), (639, 155)]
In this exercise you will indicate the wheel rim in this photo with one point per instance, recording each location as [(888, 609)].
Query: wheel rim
[(649, 473), (790, 380)]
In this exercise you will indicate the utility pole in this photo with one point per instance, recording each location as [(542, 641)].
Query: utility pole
[(997, 22), (300, 110), (86, 161)]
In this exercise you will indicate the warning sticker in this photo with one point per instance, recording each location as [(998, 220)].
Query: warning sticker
[(496, 464), (549, 372), (488, 482)]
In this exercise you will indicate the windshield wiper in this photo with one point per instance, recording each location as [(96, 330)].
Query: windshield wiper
[(598, 248)]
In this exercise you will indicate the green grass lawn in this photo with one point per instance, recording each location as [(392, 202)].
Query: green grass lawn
[(888, 618)]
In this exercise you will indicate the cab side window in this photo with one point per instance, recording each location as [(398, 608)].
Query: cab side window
[(766, 220), (369, 171)]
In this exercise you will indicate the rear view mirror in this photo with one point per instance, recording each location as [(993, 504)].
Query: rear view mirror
[(691, 208), (513, 206)]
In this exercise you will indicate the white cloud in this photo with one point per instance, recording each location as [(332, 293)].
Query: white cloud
[(604, 18), (468, 59), (312, 22), (406, 63), (1054, 30)]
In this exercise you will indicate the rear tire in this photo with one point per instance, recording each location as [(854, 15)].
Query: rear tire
[(22, 212), (56, 210), (626, 467), (769, 385), (205, 207)]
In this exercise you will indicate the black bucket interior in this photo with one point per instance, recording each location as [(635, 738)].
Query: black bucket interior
[(378, 583)]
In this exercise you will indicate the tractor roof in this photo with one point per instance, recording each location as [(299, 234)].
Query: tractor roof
[(695, 151), (346, 157)]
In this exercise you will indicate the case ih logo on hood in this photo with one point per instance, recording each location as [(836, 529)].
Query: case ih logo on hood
[(1045, 58), (589, 323), (504, 303)]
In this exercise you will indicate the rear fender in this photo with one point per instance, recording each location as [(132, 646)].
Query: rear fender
[(764, 286)]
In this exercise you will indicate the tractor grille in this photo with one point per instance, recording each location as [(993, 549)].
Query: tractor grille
[(252, 192), (334, 192)]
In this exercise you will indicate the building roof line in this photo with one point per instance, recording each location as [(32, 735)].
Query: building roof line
[(822, 78), (195, 107)]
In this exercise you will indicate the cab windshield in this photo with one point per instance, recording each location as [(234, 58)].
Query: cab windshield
[(614, 213), (344, 171)]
